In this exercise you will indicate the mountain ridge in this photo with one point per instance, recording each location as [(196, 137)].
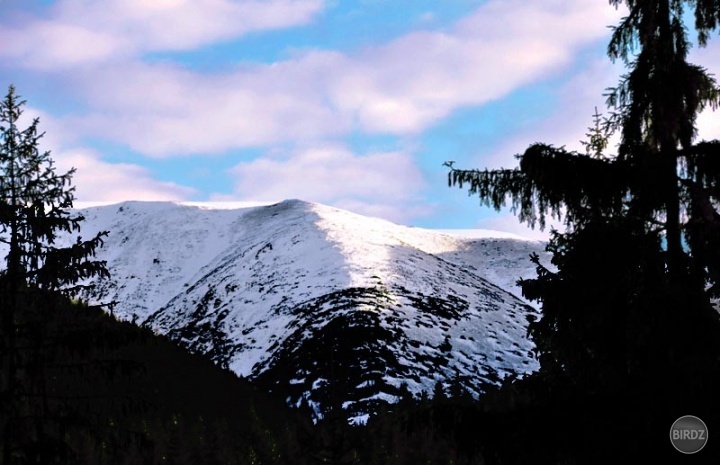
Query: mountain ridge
[(324, 305)]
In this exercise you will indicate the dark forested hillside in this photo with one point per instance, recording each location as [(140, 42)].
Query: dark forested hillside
[(103, 391)]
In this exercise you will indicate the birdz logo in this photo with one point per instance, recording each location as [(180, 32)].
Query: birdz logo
[(688, 434)]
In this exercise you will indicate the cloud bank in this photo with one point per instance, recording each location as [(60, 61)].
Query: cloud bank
[(162, 109)]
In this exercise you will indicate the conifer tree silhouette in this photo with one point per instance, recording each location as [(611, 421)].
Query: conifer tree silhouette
[(661, 191), (34, 204), (627, 315)]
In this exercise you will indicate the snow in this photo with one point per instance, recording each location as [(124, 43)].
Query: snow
[(359, 419), (480, 234), (240, 271), (221, 205)]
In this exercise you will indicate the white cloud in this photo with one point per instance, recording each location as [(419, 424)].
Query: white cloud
[(572, 116), (378, 184), (569, 123), (708, 122), (163, 110), (399, 88), (507, 222), (89, 31), (53, 130), (99, 181), (50, 44), (708, 125), (410, 83), (96, 180), (400, 211)]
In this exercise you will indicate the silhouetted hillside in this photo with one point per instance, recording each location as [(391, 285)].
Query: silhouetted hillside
[(104, 391)]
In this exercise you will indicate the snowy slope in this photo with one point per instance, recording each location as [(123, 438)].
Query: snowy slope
[(321, 304)]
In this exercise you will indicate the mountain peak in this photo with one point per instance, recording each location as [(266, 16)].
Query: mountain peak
[(321, 304)]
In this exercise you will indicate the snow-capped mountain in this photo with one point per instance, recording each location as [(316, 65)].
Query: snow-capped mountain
[(323, 305)]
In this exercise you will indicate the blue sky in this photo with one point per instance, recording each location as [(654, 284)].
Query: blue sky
[(354, 104)]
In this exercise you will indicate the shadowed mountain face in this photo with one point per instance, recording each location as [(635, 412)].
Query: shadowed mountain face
[(329, 308)]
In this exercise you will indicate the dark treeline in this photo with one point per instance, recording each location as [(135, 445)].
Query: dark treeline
[(113, 393), (99, 391)]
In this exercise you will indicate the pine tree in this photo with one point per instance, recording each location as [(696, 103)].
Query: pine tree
[(659, 191), (657, 103), (628, 328), (34, 204)]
